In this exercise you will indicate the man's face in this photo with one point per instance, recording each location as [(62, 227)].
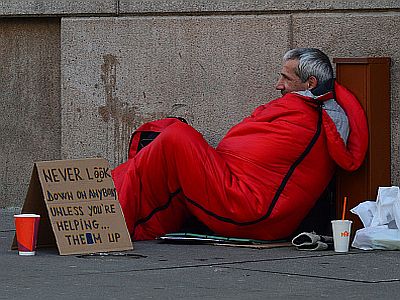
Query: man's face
[(289, 81)]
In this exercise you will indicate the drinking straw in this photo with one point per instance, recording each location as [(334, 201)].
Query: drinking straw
[(344, 207)]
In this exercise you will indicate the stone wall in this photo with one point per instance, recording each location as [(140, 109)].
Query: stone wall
[(78, 76), (29, 100)]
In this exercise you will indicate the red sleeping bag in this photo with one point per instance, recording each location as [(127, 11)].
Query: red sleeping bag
[(259, 182)]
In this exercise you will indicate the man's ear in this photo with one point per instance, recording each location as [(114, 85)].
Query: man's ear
[(312, 82)]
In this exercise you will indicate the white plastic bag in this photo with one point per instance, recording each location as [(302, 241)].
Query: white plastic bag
[(381, 220)]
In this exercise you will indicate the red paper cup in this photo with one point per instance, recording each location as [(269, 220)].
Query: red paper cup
[(26, 226)]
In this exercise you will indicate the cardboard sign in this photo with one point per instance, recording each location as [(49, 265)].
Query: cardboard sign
[(78, 205)]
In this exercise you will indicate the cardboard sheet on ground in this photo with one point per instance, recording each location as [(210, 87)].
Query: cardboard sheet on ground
[(185, 237), (79, 208)]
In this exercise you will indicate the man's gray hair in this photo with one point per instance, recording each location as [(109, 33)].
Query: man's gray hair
[(312, 62)]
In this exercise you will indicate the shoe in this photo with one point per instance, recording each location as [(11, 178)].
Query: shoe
[(312, 241)]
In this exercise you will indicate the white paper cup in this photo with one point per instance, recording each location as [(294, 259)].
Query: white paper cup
[(341, 235)]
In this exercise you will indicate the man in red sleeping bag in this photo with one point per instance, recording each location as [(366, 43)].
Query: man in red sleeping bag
[(266, 173)]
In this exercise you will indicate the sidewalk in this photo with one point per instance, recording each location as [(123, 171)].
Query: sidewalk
[(155, 270)]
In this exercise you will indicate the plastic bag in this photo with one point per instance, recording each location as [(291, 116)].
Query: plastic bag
[(381, 220)]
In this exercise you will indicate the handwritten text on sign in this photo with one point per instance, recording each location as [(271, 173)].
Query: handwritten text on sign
[(83, 207)]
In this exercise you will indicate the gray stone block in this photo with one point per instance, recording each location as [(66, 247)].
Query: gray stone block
[(359, 35), (120, 72), (29, 100), (7, 218), (198, 6), (107, 7), (57, 7)]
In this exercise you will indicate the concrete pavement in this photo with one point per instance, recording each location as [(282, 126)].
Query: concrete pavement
[(155, 270)]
